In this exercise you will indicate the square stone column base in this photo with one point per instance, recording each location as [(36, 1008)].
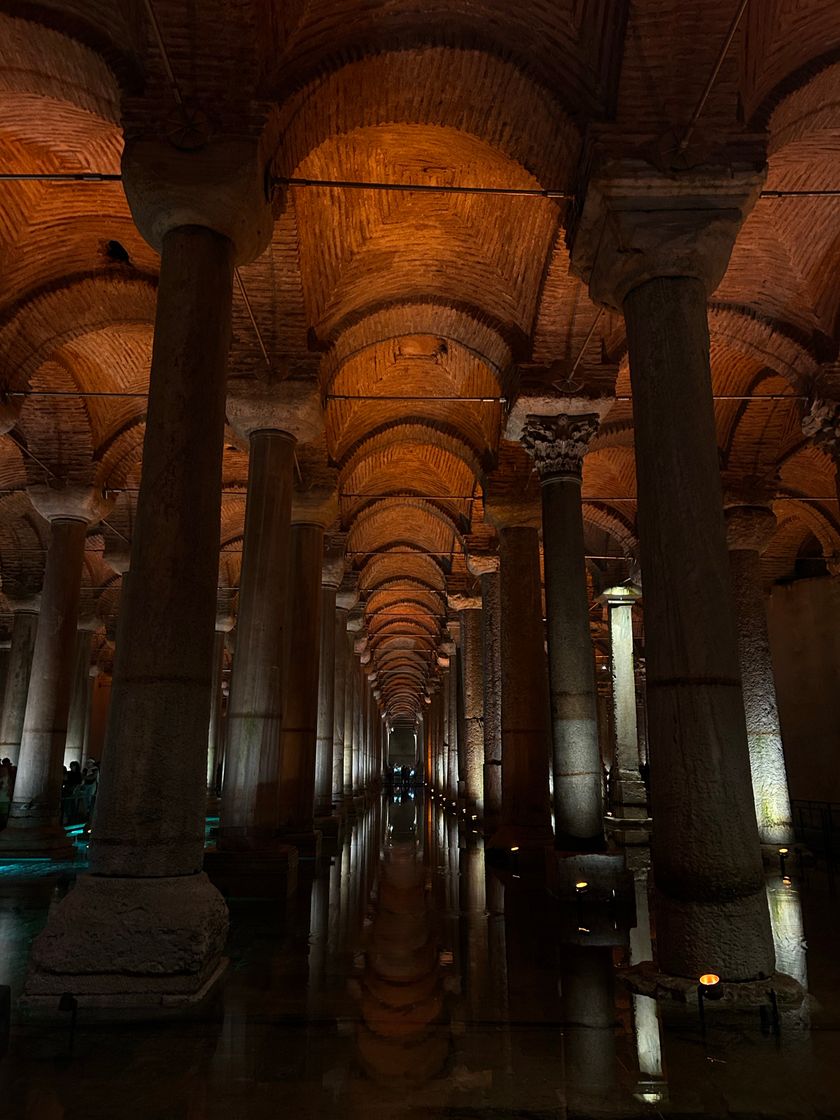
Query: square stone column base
[(130, 948)]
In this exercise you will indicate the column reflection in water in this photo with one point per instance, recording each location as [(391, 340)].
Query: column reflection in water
[(402, 1038), (789, 936), (651, 1088)]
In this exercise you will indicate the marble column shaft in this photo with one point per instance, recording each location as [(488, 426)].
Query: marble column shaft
[(36, 805), (214, 730), (24, 630), (473, 664), (710, 903), (490, 631), (302, 655), (151, 805), (74, 745), (326, 704), (525, 709), (339, 702), (250, 809), (767, 759), (558, 444)]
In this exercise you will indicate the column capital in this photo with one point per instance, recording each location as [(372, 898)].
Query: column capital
[(332, 569), (749, 527), (637, 222), (822, 425), (58, 502), (558, 443), (222, 186), (482, 563), (283, 406), (622, 596), (459, 601)]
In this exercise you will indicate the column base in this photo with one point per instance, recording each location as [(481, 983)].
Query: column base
[(131, 948), (329, 826), (47, 842), (308, 843), (271, 873), (736, 995)]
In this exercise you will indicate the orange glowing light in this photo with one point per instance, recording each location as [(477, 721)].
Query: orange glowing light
[(708, 980)]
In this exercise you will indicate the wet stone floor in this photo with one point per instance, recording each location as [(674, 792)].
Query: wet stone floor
[(409, 980)]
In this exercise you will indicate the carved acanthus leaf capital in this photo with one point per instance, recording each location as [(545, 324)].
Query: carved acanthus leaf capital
[(559, 443)]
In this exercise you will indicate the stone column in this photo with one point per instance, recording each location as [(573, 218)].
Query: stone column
[(331, 576), (822, 424), (300, 716), (627, 790), (654, 246), (526, 737), (749, 529), (77, 717), (24, 629), (34, 827), (487, 568), (224, 624), (272, 417), (454, 738), (143, 933), (558, 444), (354, 623), (344, 600), (472, 661)]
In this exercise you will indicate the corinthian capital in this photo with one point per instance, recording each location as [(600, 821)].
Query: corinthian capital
[(559, 443), (822, 425)]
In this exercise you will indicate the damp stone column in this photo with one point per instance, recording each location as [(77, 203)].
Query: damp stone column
[(472, 664), (224, 625), (332, 573), (24, 630), (301, 660), (748, 531), (654, 245), (558, 443), (344, 601), (486, 567), (628, 795), (273, 417), (526, 737), (143, 933), (34, 828), (77, 716)]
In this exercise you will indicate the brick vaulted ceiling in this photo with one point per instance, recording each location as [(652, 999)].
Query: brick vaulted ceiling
[(418, 315)]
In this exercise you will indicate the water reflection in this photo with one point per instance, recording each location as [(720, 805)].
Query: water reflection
[(409, 980)]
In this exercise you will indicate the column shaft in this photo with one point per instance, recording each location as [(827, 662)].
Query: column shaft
[(74, 745), (300, 717), (150, 811), (525, 714), (472, 661), (578, 804), (339, 702), (250, 809), (767, 759), (214, 730), (710, 902), (490, 632), (35, 818), (326, 705), (24, 630)]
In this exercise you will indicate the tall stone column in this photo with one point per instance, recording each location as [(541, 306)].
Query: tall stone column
[(273, 418), (749, 529), (454, 738), (472, 662), (143, 933), (24, 630), (487, 569), (224, 624), (526, 737), (34, 827), (77, 717), (300, 716), (654, 246), (558, 444), (629, 800), (354, 623), (344, 600), (331, 576)]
